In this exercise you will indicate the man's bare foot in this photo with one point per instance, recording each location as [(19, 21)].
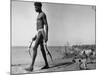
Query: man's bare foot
[(45, 67), (29, 69)]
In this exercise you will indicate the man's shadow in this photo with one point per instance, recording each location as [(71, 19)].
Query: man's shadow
[(62, 64)]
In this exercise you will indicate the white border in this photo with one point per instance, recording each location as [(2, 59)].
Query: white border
[(86, 2)]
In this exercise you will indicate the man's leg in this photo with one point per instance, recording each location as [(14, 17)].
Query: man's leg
[(44, 56), (34, 53)]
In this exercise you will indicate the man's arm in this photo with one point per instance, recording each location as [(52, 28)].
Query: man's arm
[(46, 26)]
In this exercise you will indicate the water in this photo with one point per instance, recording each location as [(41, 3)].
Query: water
[(20, 55)]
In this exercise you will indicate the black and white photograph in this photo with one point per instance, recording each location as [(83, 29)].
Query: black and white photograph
[(52, 37)]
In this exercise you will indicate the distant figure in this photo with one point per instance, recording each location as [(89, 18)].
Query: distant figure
[(41, 36)]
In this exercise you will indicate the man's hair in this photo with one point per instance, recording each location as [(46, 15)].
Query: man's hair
[(38, 4)]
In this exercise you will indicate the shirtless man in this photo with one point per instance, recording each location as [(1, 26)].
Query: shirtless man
[(40, 38)]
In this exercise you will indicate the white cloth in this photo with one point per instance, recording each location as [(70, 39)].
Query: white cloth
[(43, 33)]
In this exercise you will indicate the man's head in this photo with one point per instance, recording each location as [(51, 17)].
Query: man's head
[(38, 6)]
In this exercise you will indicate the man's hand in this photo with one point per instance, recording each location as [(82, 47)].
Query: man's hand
[(29, 46), (46, 39), (34, 38)]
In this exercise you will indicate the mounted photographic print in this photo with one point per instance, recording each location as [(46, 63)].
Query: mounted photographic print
[(52, 37)]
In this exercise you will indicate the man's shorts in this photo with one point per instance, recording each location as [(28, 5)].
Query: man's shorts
[(40, 37)]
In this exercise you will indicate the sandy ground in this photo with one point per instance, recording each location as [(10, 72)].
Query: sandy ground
[(22, 61), (55, 66)]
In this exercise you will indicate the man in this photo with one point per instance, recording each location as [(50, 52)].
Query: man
[(41, 36)]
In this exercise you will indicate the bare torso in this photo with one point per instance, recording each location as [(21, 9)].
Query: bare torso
[(40, 22)]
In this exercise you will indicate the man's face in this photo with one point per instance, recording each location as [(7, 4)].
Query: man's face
[(37, 8)]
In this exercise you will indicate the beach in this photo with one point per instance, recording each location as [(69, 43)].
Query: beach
[(20, 59)]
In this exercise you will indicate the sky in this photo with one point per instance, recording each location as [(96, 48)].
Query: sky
[(67, 23)]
